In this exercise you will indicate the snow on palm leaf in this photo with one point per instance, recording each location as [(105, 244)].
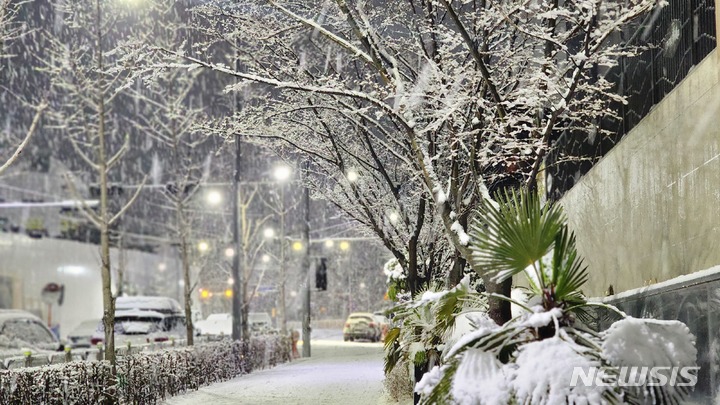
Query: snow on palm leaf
[(633, 342), (532, 358)]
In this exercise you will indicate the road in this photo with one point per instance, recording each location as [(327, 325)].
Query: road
[(338, 372)]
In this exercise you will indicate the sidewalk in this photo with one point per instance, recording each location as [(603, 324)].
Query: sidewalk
[(337, 373)]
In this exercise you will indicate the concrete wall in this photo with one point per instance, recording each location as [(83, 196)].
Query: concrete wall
[(650, 210), (27, 265)]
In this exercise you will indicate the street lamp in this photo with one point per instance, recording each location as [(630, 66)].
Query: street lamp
[(213, 197), (352, 176), (282, 173), (203, 246), (329, 243), (269, 233), (344, 245), (229, 252)]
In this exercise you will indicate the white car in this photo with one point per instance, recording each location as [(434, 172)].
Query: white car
[(81, 335), (163, 305), (362, 325), (21, 331), (259, 321), (139, 327), (221, 324), (215, 325)]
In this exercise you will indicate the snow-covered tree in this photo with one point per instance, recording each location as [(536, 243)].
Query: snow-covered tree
[(88, 87), (435, 105)]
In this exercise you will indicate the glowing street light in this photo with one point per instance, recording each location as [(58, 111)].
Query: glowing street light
[(228, 293), (229, 252), (204, 293), (203, 246), (282, 173), (231, 281), (265, 258), (329, 243), (269, 233), (162, 267), (214, 197), (344, 245), (297, 246), (352, 176)]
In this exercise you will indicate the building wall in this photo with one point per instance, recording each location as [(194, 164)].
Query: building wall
[(27, 265), (650, 209)]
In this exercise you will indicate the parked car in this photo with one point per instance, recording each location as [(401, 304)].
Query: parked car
[(20, 331), (163, 305), (221, 324), (81, 335), (384, 322), (259, 321), (215, 325), (139, 327), (362, 325)]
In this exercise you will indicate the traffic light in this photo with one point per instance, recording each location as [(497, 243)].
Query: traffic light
[(321, 275)]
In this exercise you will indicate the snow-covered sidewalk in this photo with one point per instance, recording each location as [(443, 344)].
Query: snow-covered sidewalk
[(337, 373)]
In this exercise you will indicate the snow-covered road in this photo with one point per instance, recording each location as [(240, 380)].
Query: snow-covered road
[(337, 373)]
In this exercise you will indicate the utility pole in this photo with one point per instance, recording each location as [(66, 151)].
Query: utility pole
[(306, 265), (237, 275), (282, 309)]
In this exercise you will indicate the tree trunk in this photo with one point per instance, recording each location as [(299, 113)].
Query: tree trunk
[(457, 270), (105, 271), (498, 309), (185, 257)]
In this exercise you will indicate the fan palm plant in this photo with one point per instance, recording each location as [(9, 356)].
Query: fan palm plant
[(521, 235), (532, 358)]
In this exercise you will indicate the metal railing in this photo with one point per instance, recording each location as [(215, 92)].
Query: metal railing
[(674, 39)]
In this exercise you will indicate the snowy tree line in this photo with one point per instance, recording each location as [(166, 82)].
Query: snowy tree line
[(437, 105)]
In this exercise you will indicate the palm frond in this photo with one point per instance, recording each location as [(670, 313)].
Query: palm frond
[(514, 235)]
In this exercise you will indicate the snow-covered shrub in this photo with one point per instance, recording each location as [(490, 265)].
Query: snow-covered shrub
[(76, 383), (396, 279), (534, 358), (425, 325), (142, 378)]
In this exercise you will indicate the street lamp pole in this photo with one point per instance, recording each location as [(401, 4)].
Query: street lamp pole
[(306, 266), (237, 275), (282, 310)]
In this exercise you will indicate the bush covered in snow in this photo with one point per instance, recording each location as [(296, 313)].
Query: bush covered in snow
[(535, 357), (142, 378)]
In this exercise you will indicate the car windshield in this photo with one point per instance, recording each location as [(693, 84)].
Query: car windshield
[(173, 324), (26, 330), (361, 318)]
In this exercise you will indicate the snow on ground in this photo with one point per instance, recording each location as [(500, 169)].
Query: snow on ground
[(347, 373)]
